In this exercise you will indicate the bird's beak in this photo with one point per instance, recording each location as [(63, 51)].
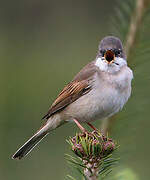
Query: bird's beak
[(109, 56)]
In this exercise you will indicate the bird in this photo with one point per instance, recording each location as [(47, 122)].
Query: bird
[(98, 91)]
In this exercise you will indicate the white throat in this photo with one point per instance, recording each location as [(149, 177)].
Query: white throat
[(111, 68)]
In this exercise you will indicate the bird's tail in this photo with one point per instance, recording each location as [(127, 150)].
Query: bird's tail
[(30, 144), (36, 138)]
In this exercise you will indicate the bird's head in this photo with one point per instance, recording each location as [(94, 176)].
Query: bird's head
[(111, 56)]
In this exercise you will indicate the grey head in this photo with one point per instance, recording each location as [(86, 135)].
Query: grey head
[(111, 57), (109, 47)]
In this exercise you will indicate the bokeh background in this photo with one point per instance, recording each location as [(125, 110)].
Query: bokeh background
[(43, 44)]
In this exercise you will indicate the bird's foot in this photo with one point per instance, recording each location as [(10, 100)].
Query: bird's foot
[(94, 128), (80, 126)]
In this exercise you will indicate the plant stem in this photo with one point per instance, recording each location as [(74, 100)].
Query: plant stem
[(90, 172), (134, 25)]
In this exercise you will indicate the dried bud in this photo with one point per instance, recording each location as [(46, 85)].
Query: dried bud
[(108, 147), (91, 146)]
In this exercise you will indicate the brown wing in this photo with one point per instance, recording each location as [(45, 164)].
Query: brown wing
[(74, 90), (68, 95)]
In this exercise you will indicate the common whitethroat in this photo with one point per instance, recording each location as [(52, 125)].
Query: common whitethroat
[(98, 91)]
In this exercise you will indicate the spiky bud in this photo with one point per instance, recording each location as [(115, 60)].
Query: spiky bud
[(91, 146)]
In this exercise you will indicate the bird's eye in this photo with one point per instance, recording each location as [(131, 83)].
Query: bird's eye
[(102, 51), (117, 52)]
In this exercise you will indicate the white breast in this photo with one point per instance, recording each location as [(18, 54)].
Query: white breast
[(107, 97)]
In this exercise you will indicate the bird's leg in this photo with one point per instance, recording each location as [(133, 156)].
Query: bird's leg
[(92, 126), (80, 126)]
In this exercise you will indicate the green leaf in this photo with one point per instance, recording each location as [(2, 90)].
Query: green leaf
[(70, 177), (79, 170), (84, 145)]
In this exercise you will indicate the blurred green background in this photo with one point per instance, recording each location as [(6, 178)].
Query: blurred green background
[(43, 44)]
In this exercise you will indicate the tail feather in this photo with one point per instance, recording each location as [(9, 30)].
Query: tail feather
[(29, 145), (51, 124)]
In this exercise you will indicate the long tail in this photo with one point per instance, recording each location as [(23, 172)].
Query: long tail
[(51, 124), (31, 143)]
